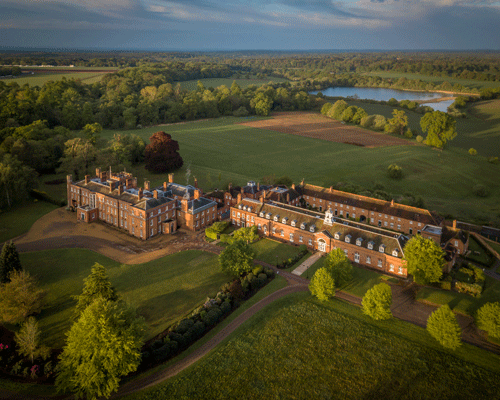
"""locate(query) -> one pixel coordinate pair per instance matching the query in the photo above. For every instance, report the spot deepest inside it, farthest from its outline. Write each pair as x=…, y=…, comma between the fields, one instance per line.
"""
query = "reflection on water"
x=380, y=94
x=440, y=105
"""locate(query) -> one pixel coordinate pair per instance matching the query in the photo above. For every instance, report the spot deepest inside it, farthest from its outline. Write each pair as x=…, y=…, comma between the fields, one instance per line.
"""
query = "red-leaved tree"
x=161, y=154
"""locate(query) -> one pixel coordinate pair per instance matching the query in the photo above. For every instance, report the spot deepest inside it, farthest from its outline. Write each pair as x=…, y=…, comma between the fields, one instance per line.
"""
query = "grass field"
x=302, y=348
x=18, y=220
x=471, y=83
x=40, y=78
x=485, y=257
x=235, y=153
x=461, y=302
x=273, y=252
x=243, y=82
x=163, y=290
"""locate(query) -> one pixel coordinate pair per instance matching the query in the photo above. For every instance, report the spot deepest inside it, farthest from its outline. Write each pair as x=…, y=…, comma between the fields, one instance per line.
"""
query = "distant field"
x=163, y=290
x=301, y=348
x=216, y=82
x=471, y=83
x=39, y=79
x=222, y=148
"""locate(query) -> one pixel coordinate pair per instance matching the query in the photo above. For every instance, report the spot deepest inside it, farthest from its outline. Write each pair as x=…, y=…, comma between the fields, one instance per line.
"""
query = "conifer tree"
x=28, y=341
x=9, y=261
x=96, y=285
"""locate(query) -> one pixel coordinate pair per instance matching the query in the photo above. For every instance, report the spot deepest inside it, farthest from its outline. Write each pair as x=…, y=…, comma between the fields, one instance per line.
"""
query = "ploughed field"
x=317, y=126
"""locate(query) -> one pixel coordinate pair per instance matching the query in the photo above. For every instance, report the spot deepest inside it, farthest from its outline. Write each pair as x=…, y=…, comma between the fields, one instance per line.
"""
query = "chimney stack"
x=302, y=182
x=111, y=186
x=120, y=189
x=197, y=194
x=230, y=186
x=454, y=224
x=139, y=194
x=87, y=178
x=331, y=189
x=293, y=186
x=242, y=191
x=196, y=183
x=261, y=199
x=184, y=204
x=392, y=203
x=258, y=186
x=288, y=198
x=170, y=178
x=164, y=186
x=238, y=199
x=155, y=194
x=98, y=172
x=146, y=185
x=128, y=183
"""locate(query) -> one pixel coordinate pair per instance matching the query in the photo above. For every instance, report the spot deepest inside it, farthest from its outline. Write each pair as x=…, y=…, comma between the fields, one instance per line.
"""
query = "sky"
x=251, y=24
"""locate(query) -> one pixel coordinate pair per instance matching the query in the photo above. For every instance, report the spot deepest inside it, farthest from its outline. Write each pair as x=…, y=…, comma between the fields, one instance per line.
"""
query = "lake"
x=380, y=94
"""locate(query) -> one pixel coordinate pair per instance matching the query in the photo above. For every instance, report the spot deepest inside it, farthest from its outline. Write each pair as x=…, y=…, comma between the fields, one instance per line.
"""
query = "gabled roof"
x=368, y=203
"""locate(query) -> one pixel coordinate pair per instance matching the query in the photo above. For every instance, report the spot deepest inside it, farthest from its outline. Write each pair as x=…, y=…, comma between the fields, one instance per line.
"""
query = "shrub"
x=241, y=112
x=184, y=326
x=225, y=307
x=257, y=270
x=409, y=134
x=472, y=151
x=326, y=107
x=235, y=289
x=480, y=191
x=445, y=285
x=493, y=160
x=395, y=171
x=474, y=289
x=367, y=122
x=212, y=317
x=419, y=138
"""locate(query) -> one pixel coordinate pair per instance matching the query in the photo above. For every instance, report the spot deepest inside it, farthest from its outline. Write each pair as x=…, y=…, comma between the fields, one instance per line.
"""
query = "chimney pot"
x=87, y=178
x=120, y=189
x=155, y=194
x=293, y=186
x=164, y=186
x=230, y=186
x=392, y=203
x=111, y=186
x=139, y=194
x=238, y=198
x=196, y=183
x=197, y=194
x=454, y=224
x=98, y=172
x=170, y=178
x=146, y=185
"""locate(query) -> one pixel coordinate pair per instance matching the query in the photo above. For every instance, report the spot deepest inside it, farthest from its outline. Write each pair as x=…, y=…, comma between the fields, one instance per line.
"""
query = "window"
x=395, y=252
x=399, y=227
x=159, y=218
x=391, y=267
x=337, y=235
x=141, y=232
x=356, y=257
x=300, y=239
x=392, y=225
x=385, y=223
x=151, y=223
x=152, y=232
x=291, y=237
x=370, y=245
x=253, y=219
x=265, y=229
x=379, y=263
x=125, y=224
x=400, y=270
x=419, y=224
x=248, y=218
x=456, y=242
x=346, y=252
x=381, y=248
x=238, y=215
x=282, y=233
x=234, y=213
x=372, y=220
x=348, y=238
x=411, y=230
x=411, y=222
x=368, y=260
x=274, y=230
x=359, y=241
x=310, y=242
x=392, y=218
x=259, y=226
x=133, y=230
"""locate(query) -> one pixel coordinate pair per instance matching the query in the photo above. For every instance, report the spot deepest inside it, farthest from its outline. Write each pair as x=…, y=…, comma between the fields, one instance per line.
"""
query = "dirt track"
x=318, y=126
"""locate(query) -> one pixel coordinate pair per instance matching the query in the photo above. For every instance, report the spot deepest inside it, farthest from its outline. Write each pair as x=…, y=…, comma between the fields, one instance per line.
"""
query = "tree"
x=9, y=261
x=443, y=326
x=337, y=109
x=96, y=285
x=16, y=180
x=92, y=132
x=237, y=258
x=284, y=180
x=472, y=151
x=262, y=104
x=339, y=266
x=79, y=155
x=377, y=302
x=161, y=154
x=395, y=171
x=28, y=340
x=102, y=346
x=322, y=284
x=397, y=123
x=248, y=234
x=326, y=107
x=20, y=297
x=488, y=319
x=440, y=128
x=424, y=259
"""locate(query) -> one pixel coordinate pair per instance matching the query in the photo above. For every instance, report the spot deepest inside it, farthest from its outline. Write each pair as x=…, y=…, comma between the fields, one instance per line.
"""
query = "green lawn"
x=362, y=279
x=235, y=153
x=461, y=302
x=484, y=258
x=18, y=220
x=243, y=82
x=163, y=290
x=301, y=348
x=471, y=83
x=273, y=252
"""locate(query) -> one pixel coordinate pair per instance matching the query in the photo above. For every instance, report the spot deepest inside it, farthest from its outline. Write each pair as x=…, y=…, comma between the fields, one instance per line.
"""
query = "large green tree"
x=488, y=319
x=79, y=156
x=237, y=258
x=377, y=301
x=443, y=326
x=397, y=123
x=16, y=181
x=440, y=128
x=322, y=284
x=9, y=261
x=20, y=297
x=339, y=266
x=96, y=285
x=424, y=259
x=102, y=346
x=28, y=341
x=248, y=234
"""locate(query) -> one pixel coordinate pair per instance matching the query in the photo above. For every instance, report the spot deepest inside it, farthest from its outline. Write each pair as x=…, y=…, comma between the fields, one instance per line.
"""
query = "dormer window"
x=337, y=235
x=244, y=208
x=359, y=241
x=348, y=238
x=312, y=228
x=268, y=215
x=276, y=218
x=261, y=214
x=395, y=252
x=370, y=245
x=249, y=209
x=284, y=220
x=294, y=222
x=239, y=206
x=381, y=248
x=303, y=225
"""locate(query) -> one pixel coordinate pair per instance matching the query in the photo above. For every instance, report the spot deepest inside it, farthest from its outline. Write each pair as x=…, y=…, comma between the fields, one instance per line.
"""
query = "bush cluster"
x=205, y=317
x=289, y=262
x=213, y=231
x=474, y=289
x=39, y=195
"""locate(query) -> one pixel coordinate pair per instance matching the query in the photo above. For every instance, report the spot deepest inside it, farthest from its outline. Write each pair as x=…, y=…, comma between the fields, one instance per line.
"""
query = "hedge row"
x=288, y=263
x=39, y=195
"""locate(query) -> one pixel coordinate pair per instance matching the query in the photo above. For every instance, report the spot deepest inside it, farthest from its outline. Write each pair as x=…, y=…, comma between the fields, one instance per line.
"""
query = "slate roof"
x=198, y=205
x=369, y=203
x=175, y=189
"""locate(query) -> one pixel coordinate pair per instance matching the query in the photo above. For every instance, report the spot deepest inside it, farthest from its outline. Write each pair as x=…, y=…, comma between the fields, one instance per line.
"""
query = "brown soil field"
x=318, y=126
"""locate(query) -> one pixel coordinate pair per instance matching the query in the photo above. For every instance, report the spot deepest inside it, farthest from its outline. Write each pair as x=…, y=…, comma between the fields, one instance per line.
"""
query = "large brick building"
x=145, y=212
